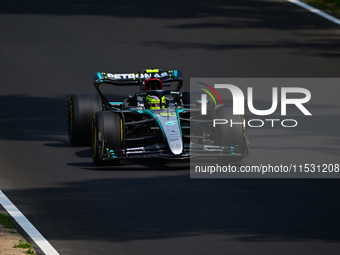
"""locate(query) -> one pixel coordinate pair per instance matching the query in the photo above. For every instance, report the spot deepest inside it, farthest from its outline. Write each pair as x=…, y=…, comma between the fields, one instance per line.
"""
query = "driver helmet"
x=153, y=102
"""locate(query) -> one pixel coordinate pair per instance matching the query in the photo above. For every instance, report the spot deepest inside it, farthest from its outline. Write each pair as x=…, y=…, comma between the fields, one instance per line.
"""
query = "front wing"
x=172, y=138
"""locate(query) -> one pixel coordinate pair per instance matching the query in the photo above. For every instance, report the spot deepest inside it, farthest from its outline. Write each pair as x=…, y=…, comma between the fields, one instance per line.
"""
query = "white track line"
x=316, y=11
x=43, y=244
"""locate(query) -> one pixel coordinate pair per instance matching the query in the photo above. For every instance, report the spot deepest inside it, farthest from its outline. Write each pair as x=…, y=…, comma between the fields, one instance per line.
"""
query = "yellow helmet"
x=153, y=102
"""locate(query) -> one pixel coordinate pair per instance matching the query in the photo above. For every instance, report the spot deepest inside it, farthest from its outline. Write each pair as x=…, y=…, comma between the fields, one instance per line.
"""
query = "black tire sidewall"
x=227, y=135
x=81, y=108
x=107, y=126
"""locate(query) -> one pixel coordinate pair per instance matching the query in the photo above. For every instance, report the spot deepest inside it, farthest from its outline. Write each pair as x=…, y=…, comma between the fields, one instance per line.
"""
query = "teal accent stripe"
x=175, y=73
x=100, y=76
x=181, y=110
x=179, y=121
x=113, y=154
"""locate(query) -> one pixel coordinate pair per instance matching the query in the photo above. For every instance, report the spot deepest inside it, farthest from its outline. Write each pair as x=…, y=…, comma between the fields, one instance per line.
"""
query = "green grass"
x=6, y=221
x=329, y=5
x=25, y=245
x=30, y=251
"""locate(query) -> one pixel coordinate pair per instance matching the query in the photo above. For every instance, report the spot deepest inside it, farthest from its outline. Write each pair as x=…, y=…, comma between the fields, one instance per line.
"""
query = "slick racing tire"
x=230, y=136
x=194, y=95
x=81, y=108
x=186, y=97
x=107, y=136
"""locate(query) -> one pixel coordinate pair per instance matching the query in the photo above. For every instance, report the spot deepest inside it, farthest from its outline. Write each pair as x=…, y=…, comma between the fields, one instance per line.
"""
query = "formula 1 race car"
x=153, y=122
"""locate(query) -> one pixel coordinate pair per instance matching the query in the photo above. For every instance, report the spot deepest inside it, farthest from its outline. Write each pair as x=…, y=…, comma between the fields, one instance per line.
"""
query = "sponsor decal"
x=170, y=123
x=173, y=139
x=167, y=114
x=135, y=75
x=176, y=146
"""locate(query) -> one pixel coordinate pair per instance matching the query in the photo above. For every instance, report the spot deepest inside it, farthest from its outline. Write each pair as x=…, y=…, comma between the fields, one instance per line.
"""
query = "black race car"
x=154, y=122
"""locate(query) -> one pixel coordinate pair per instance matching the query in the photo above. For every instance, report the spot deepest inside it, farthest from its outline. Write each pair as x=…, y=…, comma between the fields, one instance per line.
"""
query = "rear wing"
x=135, y=79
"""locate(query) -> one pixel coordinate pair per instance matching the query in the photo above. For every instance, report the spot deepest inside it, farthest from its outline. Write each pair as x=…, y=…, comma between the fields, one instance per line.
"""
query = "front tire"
x=227, y=135
x=81, y=108
x=107, y=135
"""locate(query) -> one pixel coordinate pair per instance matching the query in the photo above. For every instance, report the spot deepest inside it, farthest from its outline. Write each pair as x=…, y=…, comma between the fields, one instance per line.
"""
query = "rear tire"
x=107, y=133
x=194, y=95
x=186, y=97
x=191, y=98
x=81, y=108
x=230, y=136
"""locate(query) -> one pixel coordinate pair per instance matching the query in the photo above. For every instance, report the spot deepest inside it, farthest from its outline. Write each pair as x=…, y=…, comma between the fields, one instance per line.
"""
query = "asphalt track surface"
x=51, y=49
